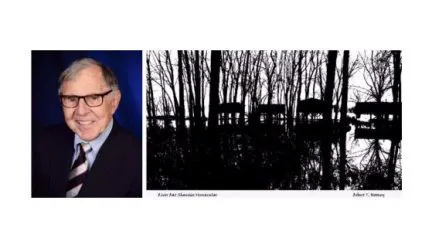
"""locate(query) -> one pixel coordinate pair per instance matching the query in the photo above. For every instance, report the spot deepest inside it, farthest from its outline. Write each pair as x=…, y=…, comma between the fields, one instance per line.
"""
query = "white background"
x=303, y=221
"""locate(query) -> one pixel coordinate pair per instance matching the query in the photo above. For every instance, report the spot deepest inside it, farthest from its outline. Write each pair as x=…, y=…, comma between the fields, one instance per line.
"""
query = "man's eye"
x=93, y=97
x=71, y=98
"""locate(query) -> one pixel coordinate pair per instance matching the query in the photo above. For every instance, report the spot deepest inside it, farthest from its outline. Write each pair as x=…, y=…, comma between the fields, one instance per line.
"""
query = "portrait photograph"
x=86, y=114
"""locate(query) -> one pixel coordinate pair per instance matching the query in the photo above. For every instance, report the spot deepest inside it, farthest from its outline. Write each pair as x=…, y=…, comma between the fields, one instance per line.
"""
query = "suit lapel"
x=106, y=174
x=62, y=160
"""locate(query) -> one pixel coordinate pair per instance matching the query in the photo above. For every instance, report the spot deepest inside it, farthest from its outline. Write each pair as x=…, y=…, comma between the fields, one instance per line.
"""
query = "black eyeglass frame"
x=84, y=97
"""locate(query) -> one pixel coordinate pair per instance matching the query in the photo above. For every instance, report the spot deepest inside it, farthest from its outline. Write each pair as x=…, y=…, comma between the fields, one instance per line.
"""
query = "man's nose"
x=82, y=107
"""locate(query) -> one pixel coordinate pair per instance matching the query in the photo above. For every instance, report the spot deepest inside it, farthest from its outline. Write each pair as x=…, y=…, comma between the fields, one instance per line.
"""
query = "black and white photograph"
x=274, y=119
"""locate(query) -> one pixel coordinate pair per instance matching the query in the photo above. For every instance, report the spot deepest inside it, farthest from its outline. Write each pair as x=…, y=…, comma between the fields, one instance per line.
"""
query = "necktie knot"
x=85, y=147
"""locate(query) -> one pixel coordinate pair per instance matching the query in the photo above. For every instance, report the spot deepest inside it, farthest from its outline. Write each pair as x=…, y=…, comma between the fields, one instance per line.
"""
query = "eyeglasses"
x=93, y=100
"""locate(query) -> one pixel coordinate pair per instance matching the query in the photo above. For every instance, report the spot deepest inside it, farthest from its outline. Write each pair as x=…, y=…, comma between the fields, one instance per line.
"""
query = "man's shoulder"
x=124, y=143
x=126, y=135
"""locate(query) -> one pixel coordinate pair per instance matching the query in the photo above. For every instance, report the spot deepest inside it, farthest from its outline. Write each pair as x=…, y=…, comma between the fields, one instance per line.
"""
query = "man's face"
x=89, y=122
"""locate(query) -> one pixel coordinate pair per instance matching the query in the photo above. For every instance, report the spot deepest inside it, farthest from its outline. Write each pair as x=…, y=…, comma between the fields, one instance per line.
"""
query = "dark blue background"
x=48, y=65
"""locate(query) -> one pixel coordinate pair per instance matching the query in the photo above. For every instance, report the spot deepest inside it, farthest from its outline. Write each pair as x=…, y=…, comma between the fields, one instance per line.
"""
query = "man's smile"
x=84, y=123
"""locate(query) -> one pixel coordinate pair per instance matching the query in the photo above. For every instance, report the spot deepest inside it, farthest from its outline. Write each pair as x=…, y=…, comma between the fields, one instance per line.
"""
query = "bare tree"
x=352, y=68
x=378, y=77
x=244, y=88
x=236, y=73
x=269, y=72
x=204, y=81
x=214, y=88
x=299, y=83
x=377, y=73
x=396, y=98
x=256, y=79
x=318, y=74
x=182, y=124
x=197, y=110
x=311, y=72
x=151, y=110
x=165, y=79
x=289, y=72
x=344, y=108
x=225, y=75
x=171, y=83
x=190, y=91
x=291, y=80
x=326, y=142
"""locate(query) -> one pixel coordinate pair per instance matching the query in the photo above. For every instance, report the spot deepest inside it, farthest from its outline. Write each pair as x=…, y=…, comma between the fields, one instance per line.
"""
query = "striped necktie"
x=78, y=171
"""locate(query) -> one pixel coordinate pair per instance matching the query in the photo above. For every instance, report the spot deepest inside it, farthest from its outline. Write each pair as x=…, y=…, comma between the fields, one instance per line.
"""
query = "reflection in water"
x=264, y=157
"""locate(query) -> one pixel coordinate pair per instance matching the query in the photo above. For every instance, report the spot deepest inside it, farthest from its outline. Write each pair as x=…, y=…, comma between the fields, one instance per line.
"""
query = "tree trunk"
x=224, y=78
x=299, y=84
x=171, y=84
x=191, y=96
x=203, y=71
x=292, y=88
x=182, y=125
x=197, y=114
x=343, y=122
x=214, y=88
x=231, y=71
x=244, y=79
x=316, y=73
x=215, y=166
x=396, y=98
x=321, y=83
x=152, y=110
x=236, y=76
x=326, y=141
x=256, y=80
x=397, y=76
x=165, y=107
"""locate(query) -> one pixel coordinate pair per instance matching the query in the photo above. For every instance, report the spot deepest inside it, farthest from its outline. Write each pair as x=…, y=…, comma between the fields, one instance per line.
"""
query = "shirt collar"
x=96, y=143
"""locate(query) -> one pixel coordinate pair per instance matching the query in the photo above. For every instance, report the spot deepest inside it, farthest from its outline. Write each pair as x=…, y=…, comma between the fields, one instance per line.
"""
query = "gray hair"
x=80, y=64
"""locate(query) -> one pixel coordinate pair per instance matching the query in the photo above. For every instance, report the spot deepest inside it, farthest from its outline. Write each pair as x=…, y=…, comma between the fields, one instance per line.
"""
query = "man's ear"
x=115, y=101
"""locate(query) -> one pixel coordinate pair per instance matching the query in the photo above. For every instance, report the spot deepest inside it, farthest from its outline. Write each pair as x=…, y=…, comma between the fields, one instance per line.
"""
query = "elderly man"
x=90, y=156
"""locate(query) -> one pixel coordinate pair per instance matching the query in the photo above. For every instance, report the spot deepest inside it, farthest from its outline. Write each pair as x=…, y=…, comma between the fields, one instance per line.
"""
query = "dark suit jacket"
x=116, y=171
